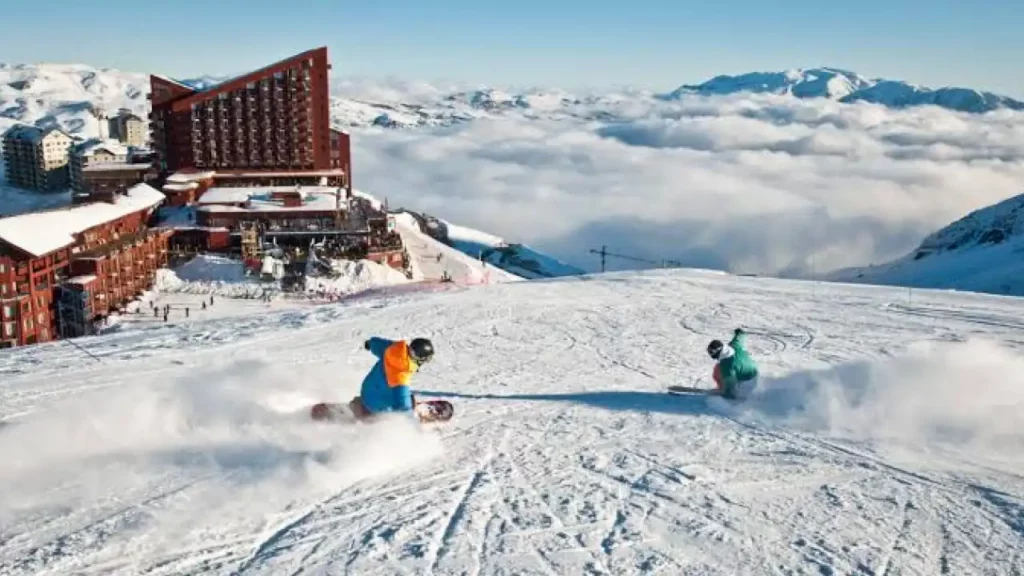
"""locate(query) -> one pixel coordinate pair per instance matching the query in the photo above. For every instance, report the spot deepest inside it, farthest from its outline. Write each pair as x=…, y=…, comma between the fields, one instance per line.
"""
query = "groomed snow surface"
x=886, y=437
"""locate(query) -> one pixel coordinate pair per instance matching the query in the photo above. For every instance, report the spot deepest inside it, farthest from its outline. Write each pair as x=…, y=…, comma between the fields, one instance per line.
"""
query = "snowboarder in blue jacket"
x=735, y=371
x=386, y=386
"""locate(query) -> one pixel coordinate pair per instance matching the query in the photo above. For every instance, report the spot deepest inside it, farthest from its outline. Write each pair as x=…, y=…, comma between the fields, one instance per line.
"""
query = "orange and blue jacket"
x=386, y=387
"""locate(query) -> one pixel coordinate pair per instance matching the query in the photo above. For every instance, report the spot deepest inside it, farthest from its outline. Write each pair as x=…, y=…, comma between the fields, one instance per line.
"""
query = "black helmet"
x=421, y=350
x=715, y=349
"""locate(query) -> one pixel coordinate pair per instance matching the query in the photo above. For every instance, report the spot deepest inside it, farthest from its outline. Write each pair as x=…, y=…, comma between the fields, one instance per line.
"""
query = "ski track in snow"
x=565, y=455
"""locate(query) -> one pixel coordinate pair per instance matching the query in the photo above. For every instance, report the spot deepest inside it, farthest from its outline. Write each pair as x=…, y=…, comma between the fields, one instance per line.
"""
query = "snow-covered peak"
x=201, y=82
x=846, y=87
x=901, y=95
x=991, y=225
x=802, y=83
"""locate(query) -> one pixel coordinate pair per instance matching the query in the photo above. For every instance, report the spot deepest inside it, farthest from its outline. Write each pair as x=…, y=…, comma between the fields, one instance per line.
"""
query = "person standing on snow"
x=386, y=387
x=735, y=371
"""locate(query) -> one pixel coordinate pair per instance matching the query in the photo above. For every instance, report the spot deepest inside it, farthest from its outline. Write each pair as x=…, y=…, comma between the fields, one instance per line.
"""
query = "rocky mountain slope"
x=983, y=252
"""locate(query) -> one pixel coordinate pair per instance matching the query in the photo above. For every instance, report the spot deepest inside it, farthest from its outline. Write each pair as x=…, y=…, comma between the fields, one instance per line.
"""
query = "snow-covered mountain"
x=846, y=86
x=63, y=94
x=983, y=252
x=813, y=83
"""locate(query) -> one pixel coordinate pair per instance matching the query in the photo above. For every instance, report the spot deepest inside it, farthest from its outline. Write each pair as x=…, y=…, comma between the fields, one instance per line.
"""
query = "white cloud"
x=747, y=183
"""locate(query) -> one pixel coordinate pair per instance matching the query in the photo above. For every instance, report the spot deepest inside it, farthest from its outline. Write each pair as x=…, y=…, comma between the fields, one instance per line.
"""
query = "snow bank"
x=355, y=276
x=456, y=232
x=208, y=274
x=242, y=426
x=969, y=394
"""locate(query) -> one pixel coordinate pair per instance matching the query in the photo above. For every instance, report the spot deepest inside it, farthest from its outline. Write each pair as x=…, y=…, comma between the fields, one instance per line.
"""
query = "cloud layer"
x=747, y=183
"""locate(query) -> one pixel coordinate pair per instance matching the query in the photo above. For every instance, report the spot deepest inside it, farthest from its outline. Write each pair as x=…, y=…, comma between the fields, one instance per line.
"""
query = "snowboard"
x=428, y=411
x=691, y=390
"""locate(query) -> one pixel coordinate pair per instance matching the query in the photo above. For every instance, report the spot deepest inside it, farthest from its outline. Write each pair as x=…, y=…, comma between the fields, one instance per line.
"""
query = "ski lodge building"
x=257, y=162
x=243, y=166
x=63, y=269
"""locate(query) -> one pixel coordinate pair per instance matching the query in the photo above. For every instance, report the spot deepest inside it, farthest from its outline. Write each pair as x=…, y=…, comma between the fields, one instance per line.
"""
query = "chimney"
x=103, y=127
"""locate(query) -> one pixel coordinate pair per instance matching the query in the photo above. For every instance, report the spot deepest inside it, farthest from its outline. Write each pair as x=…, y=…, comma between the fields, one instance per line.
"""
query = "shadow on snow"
x=632, y=400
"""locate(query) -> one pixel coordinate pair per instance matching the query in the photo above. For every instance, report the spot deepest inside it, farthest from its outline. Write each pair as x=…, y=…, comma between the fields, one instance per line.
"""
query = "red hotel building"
x=274, y=119
x=62, y=269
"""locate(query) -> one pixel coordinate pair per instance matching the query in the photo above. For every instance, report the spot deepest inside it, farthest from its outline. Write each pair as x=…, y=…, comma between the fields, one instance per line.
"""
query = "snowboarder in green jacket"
x=735, y=371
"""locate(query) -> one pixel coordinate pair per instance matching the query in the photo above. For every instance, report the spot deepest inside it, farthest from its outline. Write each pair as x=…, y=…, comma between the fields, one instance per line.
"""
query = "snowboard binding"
x=434, y=411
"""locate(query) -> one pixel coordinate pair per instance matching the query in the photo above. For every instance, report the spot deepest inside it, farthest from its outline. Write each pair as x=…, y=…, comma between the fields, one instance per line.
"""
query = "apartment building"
x=129, y=128
x=36, y=158
x=94, y=153
x=276, y=119
x=103, y=248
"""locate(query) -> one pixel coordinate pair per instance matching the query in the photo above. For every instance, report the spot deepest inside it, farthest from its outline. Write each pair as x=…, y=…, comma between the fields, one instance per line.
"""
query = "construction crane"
x=604, y=253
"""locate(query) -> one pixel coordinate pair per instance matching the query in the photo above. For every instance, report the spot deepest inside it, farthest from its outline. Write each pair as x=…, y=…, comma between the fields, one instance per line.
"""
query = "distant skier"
x=386, y=387
x=735, y=371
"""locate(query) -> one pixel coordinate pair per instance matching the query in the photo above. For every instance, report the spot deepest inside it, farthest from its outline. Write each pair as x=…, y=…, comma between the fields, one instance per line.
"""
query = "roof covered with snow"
x=41, y=233
x=180, y=187
x=30, y=133
x=118, y=167
x=94, y=145
x=281, y=174
x=261, y=198
x=183, y=177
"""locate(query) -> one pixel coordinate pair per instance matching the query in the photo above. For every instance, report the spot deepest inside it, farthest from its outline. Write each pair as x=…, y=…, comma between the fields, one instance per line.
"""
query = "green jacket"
x=739, y=366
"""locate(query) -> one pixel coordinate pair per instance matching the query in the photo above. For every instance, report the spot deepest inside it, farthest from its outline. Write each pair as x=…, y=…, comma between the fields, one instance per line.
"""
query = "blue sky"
x=570, y=43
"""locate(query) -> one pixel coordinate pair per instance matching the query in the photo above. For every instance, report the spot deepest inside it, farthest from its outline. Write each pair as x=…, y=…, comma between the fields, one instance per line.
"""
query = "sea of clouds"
x=746, y=183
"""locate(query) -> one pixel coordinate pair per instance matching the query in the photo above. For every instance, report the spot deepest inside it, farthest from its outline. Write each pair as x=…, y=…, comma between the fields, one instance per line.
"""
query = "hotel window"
x=9, y=329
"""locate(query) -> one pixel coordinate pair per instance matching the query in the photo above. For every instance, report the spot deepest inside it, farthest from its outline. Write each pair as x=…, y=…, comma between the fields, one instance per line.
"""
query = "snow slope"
x=454, y=264
x=886, y=437
x=516, y=259
x=847, y=87
x=982, y=252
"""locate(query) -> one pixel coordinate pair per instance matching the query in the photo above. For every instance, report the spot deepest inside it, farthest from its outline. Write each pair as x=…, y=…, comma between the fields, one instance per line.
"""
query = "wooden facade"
x=102, y=183
x=30, y=284
x=106, y=278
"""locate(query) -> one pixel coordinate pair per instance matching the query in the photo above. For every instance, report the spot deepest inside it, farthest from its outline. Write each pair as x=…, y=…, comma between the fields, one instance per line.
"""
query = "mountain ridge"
x=61, y=95
x=848, y=87
x=982, y=252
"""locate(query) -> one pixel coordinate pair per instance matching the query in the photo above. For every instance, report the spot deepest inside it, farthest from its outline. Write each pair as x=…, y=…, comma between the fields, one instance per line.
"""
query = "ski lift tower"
x=250, y=243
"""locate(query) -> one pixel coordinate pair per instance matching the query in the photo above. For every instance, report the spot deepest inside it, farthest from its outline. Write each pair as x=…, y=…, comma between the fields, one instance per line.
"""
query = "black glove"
x=366, y=345
x=739, y=331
